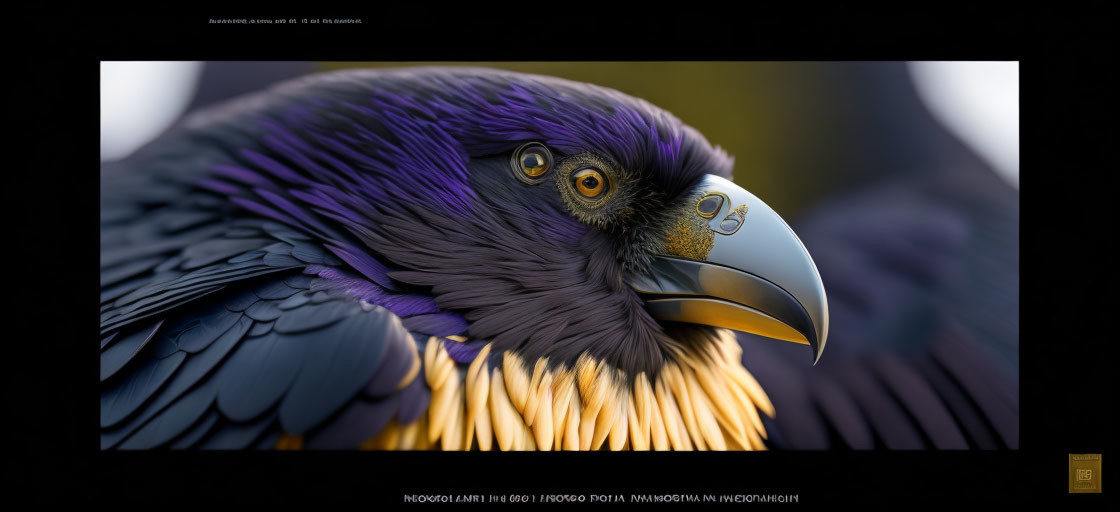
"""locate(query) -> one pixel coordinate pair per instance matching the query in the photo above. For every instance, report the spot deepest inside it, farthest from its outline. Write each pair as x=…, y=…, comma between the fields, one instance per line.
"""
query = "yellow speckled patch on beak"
x=690, y=238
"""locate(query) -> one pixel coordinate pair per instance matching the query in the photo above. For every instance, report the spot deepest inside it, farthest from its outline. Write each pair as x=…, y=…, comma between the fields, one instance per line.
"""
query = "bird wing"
x=224, y=330
x=921, y=285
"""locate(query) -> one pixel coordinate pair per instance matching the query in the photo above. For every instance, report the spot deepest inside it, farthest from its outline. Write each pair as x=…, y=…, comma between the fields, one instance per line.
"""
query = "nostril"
x=709, y=205
x=732, y=222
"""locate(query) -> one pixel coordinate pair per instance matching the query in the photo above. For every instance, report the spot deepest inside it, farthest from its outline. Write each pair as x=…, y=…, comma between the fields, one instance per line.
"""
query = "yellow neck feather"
x=705, y=400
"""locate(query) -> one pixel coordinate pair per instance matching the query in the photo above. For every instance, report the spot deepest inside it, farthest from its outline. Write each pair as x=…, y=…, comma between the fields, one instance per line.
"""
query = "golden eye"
x=531, y=161
x=589, y=182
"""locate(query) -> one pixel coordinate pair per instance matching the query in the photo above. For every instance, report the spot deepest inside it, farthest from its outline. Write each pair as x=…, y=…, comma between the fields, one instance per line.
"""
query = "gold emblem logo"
x=1084, y=472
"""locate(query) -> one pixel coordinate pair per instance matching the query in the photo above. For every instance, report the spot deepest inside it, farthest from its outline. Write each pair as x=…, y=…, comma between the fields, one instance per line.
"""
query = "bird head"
x=557, y=219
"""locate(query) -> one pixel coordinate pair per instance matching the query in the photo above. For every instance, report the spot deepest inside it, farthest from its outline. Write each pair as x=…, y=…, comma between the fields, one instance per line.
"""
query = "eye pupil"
x=531, y=161
x=589, y=182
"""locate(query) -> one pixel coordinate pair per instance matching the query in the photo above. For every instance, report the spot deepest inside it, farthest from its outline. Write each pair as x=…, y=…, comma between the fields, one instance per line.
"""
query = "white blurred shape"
x=979, y=101
x=139, y=100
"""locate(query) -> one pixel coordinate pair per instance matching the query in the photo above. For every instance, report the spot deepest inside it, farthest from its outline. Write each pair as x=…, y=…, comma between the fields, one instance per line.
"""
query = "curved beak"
x=732, y=262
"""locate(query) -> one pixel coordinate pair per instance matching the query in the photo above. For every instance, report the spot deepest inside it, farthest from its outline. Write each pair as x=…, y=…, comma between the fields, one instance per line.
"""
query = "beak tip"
x=818, y=346
x=817, y=342
x=822, y=334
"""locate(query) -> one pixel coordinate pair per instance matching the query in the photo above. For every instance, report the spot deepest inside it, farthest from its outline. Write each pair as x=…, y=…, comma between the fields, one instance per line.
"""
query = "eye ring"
x=531, y=162
x=589, y=182
x=603, y=203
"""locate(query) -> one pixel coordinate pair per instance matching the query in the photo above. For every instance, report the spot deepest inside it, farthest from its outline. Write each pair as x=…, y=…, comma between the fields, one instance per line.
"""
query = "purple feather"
x=437, y=324
x=463, y=352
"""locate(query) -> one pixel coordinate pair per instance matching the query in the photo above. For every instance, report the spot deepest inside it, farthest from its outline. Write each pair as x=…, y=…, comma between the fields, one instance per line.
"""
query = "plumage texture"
x=273, y=268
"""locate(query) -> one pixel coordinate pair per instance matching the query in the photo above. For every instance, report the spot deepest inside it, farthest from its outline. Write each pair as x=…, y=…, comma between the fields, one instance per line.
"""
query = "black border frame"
x=1065, y=395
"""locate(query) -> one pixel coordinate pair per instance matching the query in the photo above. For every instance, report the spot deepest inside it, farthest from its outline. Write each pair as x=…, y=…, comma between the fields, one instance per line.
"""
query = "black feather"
x=357, y=422
x=345, y=357
x=258, y=374
x=124, y=395
x=174, y=420
x=237, y=436
x=197, y=431
x=117, y=355
x=195, y=368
